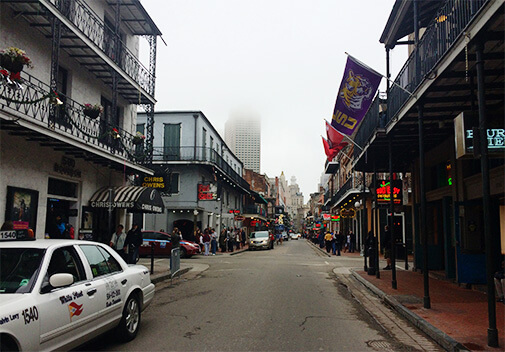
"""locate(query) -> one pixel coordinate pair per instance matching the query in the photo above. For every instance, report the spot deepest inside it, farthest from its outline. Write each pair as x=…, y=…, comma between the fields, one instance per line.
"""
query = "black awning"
x=136, y=199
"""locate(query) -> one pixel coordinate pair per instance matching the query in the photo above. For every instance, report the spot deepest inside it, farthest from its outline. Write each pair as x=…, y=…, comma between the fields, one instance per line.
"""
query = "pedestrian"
x=222, y=240
x=499, y=283
x=133, y=242
x=386, y=245
x=327, y=241
x=339, y=242
x=117, y=241
x=243, y=238
x=334, y=243
x=206, y=241
x=175, y=238
x=347, y=243
x=213, y=241
x=352, y=243
x=238, y=240
x=230, y=238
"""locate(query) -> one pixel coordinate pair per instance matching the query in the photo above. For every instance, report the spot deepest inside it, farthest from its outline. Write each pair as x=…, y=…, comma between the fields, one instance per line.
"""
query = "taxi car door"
x=66, y=312
x=111, y=282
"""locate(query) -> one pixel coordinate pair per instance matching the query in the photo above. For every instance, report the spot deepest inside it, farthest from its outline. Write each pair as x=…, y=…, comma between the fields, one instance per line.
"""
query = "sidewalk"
x=457, y=319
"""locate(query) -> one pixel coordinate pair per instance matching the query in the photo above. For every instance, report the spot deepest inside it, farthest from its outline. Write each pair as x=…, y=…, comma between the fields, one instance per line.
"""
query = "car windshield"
x=262, y=234
x=19, y=268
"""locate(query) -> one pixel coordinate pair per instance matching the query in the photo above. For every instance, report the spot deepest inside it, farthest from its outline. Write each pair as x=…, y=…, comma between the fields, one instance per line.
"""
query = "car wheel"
x=7, y=344
x=184, y=254
x=130, y=321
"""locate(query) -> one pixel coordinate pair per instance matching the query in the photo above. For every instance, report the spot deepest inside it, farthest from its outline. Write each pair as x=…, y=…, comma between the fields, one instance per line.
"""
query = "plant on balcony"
x=92, y=111
x=14, y=59
x=138, y=138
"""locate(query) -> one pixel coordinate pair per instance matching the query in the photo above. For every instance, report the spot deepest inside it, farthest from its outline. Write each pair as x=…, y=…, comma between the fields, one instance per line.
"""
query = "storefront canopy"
x=134, y=198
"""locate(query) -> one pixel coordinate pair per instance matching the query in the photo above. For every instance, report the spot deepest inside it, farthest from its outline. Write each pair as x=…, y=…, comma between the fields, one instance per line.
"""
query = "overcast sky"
x=280, y=59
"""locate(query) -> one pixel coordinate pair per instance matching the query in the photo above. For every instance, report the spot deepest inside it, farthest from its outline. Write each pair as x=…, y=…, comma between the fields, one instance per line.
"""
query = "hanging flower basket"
x=92, y=111
x=138, y=138
x=14, y=59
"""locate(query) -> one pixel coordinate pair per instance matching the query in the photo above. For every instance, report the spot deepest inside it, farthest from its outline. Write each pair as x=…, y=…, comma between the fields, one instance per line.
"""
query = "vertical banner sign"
x=355, y=96
x=405, y=189
x=207, y=191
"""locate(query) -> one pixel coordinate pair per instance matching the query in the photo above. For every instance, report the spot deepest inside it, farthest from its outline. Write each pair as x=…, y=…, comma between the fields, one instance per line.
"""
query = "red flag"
x=335, y=138
x=330, y=153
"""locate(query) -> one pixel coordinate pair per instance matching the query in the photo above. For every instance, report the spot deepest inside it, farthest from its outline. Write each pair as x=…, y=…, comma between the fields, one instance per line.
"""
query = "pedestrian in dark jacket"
x=133, y=242
x=353, y=242
x=339, y=242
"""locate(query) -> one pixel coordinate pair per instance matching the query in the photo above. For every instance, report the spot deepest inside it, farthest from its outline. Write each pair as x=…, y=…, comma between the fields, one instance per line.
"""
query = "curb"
x=434, y=333
x=168, y=275
x=319, y=249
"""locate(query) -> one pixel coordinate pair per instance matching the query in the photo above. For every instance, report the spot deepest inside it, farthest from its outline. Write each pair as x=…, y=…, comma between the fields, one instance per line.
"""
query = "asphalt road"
x=286, y=299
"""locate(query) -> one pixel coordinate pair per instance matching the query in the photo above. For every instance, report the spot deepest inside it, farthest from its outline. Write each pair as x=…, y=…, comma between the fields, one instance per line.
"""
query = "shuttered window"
x=172, y=142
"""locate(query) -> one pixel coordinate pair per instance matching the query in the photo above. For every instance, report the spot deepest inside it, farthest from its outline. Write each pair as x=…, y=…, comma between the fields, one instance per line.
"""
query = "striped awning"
x=136, y=199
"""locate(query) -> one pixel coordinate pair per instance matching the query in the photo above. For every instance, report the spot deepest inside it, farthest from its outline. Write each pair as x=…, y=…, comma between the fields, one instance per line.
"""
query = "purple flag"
x=355, y=95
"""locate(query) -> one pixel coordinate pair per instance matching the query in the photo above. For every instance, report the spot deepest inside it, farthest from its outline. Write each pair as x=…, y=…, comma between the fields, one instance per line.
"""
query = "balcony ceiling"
x=451, y=93
x=136, y=17
x=400, y=22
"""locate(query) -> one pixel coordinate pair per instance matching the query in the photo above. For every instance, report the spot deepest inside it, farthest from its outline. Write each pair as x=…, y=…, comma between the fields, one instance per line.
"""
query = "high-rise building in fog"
x=243, y=136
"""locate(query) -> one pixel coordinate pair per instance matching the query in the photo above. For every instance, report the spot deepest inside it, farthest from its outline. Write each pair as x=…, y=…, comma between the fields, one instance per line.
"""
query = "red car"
x=163, y=245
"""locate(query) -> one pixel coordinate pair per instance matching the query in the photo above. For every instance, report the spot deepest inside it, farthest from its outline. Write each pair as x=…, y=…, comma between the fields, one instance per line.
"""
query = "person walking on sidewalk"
x=133, y=242
x=175, y=238
x=213, y=241
x=334, y=243
x=222, y=240
x=347, y=243
x=352, y=244
x=386, y=244
x=327, y=241
x=206, y=241
x=117, y=241
x=499, y=283
x=339, y=239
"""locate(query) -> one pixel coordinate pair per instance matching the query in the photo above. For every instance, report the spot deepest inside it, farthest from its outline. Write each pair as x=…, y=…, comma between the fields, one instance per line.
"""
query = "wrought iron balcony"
x=354, y=182
x=35, y=105
x=198, y=154
x=94, y=28
x=254, y=209
x=447, y=26
x=87, y=39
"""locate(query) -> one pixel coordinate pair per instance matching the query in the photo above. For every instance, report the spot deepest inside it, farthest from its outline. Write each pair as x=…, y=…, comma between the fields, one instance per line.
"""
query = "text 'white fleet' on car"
x=58, y=294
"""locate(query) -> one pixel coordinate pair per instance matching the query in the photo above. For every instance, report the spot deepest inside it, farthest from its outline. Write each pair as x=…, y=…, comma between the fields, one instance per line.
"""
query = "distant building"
x=243, y=136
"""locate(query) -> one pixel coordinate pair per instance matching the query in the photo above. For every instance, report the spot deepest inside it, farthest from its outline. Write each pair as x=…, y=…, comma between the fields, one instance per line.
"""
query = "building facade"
x=203, y=185
x=55, y=156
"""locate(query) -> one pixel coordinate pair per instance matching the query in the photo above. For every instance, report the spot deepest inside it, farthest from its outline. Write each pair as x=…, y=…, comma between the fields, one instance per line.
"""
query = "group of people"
x=337, y=242
x=127, y=244
x=207, y=240
x=231, y=238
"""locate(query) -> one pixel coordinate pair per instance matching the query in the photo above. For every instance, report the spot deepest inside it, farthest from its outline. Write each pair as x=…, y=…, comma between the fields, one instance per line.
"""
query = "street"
x=282, y=299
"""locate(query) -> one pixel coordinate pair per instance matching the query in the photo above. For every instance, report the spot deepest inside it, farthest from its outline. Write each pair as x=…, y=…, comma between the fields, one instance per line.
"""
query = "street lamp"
x=195, y=213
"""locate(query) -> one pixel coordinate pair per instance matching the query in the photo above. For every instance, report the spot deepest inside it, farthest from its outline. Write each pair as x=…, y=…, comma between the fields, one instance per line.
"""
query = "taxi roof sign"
x=17, y=235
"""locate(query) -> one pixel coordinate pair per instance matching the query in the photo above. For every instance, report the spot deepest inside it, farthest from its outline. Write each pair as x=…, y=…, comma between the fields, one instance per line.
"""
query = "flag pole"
x=379, y=74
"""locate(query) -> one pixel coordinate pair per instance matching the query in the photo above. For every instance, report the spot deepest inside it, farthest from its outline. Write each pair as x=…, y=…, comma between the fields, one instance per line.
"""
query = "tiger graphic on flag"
x=355, y=89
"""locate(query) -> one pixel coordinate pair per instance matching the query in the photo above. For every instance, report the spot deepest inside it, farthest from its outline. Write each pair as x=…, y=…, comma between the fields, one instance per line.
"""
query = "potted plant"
x=138, y=138
x=115, y=133
x=14, y=59
x=92, y=111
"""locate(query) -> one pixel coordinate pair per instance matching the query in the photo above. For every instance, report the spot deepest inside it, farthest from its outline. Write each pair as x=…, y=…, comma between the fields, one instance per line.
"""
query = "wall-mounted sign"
x=465, y=137
x=234, y=211
x=348, y=213
x=67, y=167
x=254, y=223
x=157, y=182
x=326, y=217
x=335, y=218
x=239, y=218
x=383, y=192
x=207, y=191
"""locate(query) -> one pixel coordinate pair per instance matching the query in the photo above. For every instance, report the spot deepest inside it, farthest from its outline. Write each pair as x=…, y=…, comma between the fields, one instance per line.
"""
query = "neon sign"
x=383, y=192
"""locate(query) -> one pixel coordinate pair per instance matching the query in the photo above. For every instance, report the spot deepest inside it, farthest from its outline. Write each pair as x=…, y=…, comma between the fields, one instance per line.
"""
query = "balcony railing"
x=353, y=182
x=34, y=103
x=254, y=209
x=447, y=26
x=202, y=154
x=94, y=28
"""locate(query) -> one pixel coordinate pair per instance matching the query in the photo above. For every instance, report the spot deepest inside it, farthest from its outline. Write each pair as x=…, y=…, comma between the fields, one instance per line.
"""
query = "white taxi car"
x=58, y=294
